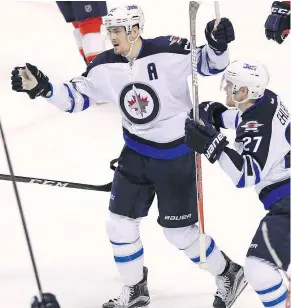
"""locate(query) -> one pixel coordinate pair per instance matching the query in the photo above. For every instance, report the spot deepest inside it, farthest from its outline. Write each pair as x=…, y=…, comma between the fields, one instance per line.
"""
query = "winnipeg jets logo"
x=139, y=103
x=252, y=126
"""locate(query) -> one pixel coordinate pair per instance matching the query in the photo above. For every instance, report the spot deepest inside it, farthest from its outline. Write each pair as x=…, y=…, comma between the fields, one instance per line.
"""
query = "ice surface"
x=67, y=226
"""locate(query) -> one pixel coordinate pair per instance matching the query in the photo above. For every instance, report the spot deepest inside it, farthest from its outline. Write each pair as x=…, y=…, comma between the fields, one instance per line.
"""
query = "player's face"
x=239, y=95
x=228, y=90
x=118, y=38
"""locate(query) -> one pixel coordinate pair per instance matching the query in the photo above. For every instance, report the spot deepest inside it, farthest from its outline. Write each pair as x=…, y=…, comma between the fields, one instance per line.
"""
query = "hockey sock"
x=129, y=259
x=93, y=43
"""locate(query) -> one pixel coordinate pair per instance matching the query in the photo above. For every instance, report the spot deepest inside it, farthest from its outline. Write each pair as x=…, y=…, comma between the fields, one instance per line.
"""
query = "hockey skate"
x=230, y=284
x=132, y=296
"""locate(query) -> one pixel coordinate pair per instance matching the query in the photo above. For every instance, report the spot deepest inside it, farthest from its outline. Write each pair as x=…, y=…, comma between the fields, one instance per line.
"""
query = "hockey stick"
x=217, y=18
x=276, y=258
x=193, y=8
x=21, y=213
x=106, y=187
x=217, y=14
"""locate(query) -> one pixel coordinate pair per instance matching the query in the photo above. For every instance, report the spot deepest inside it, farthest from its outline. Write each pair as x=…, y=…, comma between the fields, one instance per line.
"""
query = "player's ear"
x=135, y=32
x=244, y=92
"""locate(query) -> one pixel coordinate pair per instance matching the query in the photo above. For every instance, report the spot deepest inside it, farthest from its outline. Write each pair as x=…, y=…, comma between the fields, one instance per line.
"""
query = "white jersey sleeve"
x=210, y=63
x=79, y=93
x=229, y=118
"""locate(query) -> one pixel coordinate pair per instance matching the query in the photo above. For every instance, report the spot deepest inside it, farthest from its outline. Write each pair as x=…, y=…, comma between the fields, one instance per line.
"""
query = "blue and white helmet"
x=250, y=74
x=126, y=16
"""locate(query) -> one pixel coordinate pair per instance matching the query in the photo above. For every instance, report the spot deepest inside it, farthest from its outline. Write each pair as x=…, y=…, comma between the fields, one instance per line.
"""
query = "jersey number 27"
x=252, y=144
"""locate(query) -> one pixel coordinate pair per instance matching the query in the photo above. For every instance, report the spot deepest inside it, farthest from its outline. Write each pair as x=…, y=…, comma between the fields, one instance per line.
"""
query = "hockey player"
x=277, y=26
x=86, y=18
x=261, y=158
x=147, y=78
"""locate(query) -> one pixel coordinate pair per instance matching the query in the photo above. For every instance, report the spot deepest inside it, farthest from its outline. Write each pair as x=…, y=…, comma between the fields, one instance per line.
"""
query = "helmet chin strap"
x=131, y=45
x=237, y=103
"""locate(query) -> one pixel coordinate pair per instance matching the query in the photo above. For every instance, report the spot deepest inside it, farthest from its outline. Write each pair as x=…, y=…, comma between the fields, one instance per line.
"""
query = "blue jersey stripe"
x=275, y=195
x=257, y=172
x=241, y=182
x=85, y=97
x=72, y=99
x=150, y=151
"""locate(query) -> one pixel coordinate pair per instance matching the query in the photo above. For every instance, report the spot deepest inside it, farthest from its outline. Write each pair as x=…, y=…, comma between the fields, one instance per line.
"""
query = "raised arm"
x=72, y=96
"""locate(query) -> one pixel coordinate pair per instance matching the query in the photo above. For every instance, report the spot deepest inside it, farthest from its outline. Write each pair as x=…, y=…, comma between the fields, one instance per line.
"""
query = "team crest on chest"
x=139, y=103
x=252, y=126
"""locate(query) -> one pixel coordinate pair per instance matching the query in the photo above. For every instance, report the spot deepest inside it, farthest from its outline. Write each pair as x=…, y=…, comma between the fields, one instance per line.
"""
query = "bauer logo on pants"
x=139, y=103
x=183, y=217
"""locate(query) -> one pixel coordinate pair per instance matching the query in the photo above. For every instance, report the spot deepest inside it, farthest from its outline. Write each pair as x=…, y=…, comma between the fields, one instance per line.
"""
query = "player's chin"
x=229, y=103
x=117, y=50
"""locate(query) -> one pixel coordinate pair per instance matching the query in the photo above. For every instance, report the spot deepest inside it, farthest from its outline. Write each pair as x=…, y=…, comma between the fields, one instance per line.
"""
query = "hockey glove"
x=210, y=113
x=277, y=26
x=31, y=80
x=50, y=301
x=219, y=38
x=205, y=140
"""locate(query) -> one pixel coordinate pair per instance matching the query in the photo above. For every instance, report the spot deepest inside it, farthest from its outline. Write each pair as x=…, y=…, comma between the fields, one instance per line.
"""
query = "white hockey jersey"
x=152, y=92
x=262, y=155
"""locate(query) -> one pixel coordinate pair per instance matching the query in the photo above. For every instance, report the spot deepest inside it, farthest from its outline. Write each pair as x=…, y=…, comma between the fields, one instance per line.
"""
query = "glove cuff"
x=217, y=52
x=47, y=91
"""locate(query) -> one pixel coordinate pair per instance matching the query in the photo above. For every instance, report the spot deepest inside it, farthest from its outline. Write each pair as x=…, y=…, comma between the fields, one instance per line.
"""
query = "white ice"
x=67, y=226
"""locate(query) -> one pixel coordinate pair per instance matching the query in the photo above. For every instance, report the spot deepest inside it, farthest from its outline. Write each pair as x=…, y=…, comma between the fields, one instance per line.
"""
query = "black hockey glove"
x=31, y=80
x=219, y=38
x=277, y=26
x=50, y=301
x=204, y=140
x=210, y=113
